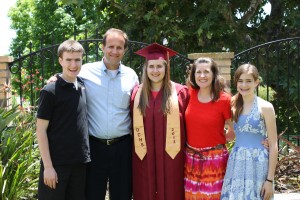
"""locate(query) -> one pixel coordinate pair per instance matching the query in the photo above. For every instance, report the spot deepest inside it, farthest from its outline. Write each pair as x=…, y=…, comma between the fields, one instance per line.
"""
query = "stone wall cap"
x=6, y=59
x=213, y=55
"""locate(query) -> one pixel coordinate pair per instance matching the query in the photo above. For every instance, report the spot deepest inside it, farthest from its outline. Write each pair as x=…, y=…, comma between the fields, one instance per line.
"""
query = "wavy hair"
x=218, y=82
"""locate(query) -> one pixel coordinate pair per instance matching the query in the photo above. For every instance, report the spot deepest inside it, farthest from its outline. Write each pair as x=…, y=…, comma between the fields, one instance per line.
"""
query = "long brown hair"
x=237, y=102
x=146, y=90
x=218, y=82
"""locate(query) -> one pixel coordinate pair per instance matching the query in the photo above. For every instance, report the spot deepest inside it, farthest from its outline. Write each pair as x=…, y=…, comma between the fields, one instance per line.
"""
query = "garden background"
x=186, y=25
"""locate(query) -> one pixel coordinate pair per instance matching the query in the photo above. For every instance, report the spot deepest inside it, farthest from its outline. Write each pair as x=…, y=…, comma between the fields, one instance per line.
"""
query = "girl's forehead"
x=246, y=75
x=156, y=62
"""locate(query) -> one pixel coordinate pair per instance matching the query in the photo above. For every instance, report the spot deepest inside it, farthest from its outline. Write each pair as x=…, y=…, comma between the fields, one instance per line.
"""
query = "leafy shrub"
x=19, y=158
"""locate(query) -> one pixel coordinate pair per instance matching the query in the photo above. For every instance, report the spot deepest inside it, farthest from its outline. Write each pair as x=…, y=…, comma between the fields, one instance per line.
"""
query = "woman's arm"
x=229, y=134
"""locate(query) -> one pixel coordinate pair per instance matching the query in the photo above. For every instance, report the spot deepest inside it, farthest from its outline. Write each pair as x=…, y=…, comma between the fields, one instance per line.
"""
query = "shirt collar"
x=62, y=82
x=104, y=69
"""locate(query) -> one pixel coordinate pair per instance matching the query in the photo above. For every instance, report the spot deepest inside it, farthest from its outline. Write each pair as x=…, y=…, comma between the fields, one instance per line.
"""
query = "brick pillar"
x=5, y=81
x=223, y=60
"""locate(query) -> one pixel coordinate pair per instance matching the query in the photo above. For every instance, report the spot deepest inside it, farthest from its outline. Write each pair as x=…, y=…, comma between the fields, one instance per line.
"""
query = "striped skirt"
x=204, y=172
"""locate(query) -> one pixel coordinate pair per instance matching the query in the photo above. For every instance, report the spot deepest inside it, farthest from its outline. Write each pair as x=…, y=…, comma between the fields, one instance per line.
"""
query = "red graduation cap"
x=156, y=52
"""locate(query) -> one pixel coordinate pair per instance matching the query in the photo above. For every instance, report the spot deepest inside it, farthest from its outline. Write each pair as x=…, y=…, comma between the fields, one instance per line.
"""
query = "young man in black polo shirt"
x=62, y=130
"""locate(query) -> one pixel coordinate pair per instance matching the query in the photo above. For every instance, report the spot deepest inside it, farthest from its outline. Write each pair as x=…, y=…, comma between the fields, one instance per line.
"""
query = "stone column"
x=223, y=59
x=5, y=81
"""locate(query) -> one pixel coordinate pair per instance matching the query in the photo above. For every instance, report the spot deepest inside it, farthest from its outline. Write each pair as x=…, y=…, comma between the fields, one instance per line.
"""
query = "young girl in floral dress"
x=251, y=167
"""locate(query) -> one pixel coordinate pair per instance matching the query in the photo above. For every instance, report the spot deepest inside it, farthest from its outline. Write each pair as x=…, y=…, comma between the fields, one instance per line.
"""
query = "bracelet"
x=271, y=181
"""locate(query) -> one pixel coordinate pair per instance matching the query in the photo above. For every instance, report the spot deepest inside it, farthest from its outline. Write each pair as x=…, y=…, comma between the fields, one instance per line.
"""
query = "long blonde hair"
x=237, y=102
x=146, y=90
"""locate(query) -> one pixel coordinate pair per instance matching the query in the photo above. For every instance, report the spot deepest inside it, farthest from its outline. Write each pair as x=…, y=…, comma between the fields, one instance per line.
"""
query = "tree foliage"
x=189, y=26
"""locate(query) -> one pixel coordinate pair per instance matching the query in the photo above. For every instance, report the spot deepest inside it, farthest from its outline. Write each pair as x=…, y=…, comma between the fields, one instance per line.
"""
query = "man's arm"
x=50, y=176
x=52, y=78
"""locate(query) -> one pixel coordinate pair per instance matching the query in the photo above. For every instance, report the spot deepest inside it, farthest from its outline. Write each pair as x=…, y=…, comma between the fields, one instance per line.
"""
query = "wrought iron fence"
x=278, y=63
x=30, y=71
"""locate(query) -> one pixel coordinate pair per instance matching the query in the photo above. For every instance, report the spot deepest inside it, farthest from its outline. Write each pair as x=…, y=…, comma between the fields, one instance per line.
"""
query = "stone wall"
x=5, y=81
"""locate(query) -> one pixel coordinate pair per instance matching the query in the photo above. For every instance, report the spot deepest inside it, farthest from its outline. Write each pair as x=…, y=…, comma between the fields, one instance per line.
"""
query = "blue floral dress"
x=247, y=167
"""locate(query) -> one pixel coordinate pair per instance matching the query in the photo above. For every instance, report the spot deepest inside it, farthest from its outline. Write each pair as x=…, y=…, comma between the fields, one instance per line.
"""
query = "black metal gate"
x=278, y=63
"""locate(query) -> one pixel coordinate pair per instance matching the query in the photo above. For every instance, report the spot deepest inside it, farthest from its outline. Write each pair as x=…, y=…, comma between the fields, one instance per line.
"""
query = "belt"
x=218, y=147
x=109, y=141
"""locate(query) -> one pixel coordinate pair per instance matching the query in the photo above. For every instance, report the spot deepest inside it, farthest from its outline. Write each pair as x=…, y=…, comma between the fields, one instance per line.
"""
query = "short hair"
x=115, y=31
x=69, y=46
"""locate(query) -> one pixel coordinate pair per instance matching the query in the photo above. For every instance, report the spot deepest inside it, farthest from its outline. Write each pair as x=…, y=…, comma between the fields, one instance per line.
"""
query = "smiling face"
x=156, y=70
x=114, y=50
x=246, y=84
x=204, y=75
x=71, y=64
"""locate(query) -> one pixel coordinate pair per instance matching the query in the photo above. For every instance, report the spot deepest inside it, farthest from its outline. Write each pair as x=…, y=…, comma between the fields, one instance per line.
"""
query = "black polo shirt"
x=65, y=108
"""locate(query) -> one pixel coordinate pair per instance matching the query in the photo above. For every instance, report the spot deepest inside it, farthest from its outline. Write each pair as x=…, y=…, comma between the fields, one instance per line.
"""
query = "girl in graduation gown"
x=158, y=106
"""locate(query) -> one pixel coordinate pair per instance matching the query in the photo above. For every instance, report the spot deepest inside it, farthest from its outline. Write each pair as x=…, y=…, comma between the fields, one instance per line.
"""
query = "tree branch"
x=250, y=11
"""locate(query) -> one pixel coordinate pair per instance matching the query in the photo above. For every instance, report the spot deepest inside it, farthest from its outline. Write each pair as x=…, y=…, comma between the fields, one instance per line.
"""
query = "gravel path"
x=287, y=196
x=284, y=196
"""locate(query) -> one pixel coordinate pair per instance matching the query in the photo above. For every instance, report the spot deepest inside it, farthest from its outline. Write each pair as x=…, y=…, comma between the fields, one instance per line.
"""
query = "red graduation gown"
x=158, y=176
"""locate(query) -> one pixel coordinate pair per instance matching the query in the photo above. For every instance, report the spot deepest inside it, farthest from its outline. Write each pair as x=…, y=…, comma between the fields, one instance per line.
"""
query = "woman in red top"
x=207, y=112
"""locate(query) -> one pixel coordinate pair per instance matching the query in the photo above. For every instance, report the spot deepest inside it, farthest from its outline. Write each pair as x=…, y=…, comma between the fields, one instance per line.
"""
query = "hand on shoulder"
x=52, y=79
x=267, y=108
